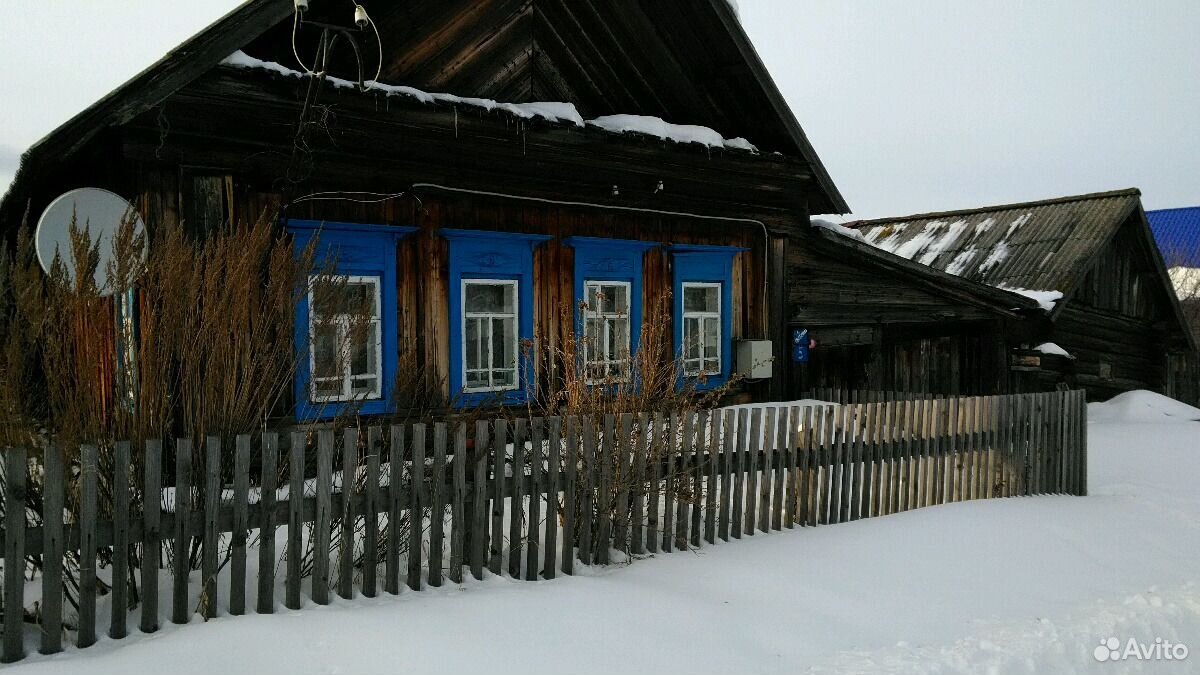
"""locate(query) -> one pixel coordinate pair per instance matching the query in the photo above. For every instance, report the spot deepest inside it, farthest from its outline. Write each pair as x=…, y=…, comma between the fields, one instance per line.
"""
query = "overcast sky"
x=914, y=105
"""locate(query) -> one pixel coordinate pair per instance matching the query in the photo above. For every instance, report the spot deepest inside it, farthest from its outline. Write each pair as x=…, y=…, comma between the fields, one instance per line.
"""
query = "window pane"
x=620, y=332
x=337, y=295
x=592, y=298
x=325, y=388
x=325, y=350
x=712, y=331
x=712, y=366
x=504, y=379
x=362, y=350
x=691, y=338
x=363, y=386
x=477, y=379
x=491, y=298
x=504, y=352
x=620, y=296
x=475, y=345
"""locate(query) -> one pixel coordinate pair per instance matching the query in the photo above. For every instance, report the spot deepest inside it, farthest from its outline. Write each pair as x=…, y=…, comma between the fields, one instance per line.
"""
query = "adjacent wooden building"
x=1092, y=263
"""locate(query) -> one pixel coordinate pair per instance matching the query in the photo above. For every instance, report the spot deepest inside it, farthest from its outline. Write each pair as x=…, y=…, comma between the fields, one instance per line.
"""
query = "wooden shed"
x=1092, y=263
x=637, y=145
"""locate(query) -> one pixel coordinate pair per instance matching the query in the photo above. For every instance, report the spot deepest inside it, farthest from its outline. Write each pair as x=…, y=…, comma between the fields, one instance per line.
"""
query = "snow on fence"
x=525, y=497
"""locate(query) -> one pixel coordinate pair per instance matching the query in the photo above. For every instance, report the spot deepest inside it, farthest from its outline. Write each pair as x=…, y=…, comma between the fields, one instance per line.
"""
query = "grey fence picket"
x=641, y=438
x=240, y=526
x=437, y=505
x=346, y=514
x=536, y=488
x=324, y=517
x=728, y=445
x=266, y=525
x=53, y=496
x=458, y=508
x=570, y=467
x=766, y=477
x=499, y=453
x=479, y=502
x=416, y=505
x=119, y=601
x=397, y=503
x=181, y=565
x=553, y=457
x=751, y=467
x=212, y=536
x=654, y=459
x=516, y=502
x=667, y=446
x=89, y=477
x=370, y=580
x=295, y=535
x=621, y=472
x=16, y=465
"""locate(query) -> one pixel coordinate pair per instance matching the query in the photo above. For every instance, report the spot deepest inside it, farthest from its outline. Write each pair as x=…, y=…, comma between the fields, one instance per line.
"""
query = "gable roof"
x=1177, y=233
x=1037, y=246
x=688, y=61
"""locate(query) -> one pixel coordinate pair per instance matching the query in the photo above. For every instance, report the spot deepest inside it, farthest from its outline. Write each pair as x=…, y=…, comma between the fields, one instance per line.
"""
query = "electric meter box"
x=754, y=358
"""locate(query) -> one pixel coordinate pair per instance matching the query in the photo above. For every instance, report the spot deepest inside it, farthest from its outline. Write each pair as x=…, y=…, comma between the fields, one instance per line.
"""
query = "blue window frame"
x=703, y=326
x=491, y=315
x=363, y=258
x=608, y=301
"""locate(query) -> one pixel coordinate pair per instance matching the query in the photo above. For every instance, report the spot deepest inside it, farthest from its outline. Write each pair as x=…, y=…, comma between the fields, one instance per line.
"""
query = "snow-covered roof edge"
x=551, y=111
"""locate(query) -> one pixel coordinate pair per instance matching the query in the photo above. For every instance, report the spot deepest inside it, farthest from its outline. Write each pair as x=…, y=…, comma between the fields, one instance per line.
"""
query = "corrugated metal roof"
x=1177, y=232
x=1036, y=246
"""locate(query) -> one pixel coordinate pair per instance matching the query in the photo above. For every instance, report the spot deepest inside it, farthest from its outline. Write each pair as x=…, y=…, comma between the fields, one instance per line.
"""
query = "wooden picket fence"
x=528, y=498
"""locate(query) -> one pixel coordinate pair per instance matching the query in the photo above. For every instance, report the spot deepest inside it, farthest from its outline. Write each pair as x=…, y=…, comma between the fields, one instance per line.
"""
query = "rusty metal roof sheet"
x=1035, y=246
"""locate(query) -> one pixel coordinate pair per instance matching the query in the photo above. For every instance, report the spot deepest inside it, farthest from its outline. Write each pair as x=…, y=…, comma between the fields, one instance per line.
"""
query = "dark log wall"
x=878, y=329
x=423, y=258
x=1115, y=325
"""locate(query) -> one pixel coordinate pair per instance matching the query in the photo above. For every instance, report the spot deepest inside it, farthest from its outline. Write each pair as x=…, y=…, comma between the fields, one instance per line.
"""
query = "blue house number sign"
x=800, y=345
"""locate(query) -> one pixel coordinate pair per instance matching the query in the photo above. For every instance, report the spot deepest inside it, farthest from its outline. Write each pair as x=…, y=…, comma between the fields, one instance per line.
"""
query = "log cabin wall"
x=170, y=192
x=884, y=324
x=1115, y=322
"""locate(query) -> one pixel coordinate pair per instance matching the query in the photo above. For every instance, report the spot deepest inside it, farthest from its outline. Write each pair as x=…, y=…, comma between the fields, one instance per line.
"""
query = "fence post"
x=16, y=464
x=54, y=493
x=183, y=507
x=212, y=537
x=117, y=628
x=241, y=525
x=88, y=470
x=295, y=534
x=324, y=517
x=266, y=525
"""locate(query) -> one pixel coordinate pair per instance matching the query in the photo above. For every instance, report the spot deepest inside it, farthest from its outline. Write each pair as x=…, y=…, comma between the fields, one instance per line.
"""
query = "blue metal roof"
x=1177, y=232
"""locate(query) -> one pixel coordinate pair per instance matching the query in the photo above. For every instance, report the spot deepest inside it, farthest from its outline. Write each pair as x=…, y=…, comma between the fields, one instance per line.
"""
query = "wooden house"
x=635, y=149
x=1111, y=319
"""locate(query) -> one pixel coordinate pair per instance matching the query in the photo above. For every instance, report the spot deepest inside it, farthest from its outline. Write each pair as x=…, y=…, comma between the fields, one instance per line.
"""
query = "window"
x=347, y=325
x=491, y=316
x=701, y=329
x=606, y=331
x=703, y=282
x=608, y=296
x=345, y=345
x=490, y=335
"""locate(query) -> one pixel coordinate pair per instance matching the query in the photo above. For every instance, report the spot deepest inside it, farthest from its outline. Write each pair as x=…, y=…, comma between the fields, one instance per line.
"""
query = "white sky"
x=914, y=105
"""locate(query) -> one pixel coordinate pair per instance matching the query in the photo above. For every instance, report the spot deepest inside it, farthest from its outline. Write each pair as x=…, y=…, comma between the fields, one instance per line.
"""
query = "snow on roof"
x=680, y=133
x=1045, y=299
x=838, y=229
x=548, y=110
x=1052, y=349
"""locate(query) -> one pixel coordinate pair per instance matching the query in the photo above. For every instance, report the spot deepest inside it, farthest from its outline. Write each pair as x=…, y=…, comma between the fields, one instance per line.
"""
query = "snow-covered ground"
x=1023, y=585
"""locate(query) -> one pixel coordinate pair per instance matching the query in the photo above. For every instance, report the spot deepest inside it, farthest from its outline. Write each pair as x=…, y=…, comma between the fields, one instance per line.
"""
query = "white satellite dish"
x=98, y=212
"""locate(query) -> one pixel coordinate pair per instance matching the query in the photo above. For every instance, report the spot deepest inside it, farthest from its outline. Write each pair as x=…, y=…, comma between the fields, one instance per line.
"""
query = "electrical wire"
x=346, y=196
x=295, y=49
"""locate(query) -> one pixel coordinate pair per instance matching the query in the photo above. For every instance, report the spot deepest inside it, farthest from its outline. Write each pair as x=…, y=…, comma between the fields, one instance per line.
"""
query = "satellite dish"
x=97, y=212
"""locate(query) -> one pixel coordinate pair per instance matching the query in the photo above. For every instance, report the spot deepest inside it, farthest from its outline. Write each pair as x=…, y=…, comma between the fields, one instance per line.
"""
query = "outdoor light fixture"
x=301, y=6
x=360, y=17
